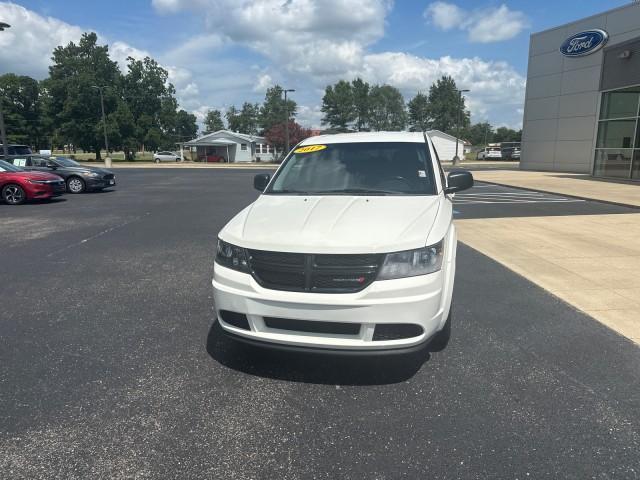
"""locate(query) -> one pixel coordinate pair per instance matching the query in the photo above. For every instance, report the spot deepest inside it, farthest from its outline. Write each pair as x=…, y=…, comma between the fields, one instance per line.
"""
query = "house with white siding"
x=230, y=147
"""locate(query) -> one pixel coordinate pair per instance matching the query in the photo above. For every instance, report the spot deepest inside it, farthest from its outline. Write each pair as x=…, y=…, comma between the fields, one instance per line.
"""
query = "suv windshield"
x=66, y=162
x=7, y=167
x=375, y=168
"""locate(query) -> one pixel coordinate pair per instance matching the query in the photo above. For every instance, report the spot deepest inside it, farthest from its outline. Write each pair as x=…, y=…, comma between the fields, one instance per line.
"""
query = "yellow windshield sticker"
x=310, y=149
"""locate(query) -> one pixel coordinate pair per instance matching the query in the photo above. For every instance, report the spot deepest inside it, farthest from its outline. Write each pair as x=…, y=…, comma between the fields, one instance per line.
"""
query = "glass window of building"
x=618, y=142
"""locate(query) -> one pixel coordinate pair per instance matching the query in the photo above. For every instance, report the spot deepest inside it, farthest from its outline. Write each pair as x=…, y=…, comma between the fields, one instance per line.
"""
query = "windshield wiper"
x=285, y=191
x=370, y=191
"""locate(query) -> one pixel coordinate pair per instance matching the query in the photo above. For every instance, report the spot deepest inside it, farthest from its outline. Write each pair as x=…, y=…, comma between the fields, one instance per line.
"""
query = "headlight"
x=39, y=182
x=232, y=257
x=90, y=174
x=411, y=263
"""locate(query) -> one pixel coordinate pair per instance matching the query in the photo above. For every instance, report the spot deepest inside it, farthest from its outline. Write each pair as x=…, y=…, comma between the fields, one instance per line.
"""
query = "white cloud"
x=445, y=15
x=498, y=25
x=195, y=48
x=497, y=90
x=120, y=51
x=482, y=25
x=323, y=37
x=309, y=116
x=263, y=82
x=26, y=47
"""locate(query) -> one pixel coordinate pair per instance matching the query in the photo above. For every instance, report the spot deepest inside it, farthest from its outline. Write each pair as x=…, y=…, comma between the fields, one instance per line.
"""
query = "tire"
x=75, y=185
x=157, y=160
x=14, y=194
x=441, y=339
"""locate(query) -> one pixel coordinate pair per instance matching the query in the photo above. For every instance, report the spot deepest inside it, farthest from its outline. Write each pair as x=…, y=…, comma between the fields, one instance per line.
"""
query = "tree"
x=276, y=135
x=24, y=114
x=249, y=118
x=273, y=109
x=233, y=118
x=386, y=109
x=361, y=103
x=75, y=69
x=126, y=130
x=504, y=134
x=338, y=106
x=151, y=100
x=419, y=119
x=478, y=133
x=186, y=126
x=213, y=121
x=444, y=105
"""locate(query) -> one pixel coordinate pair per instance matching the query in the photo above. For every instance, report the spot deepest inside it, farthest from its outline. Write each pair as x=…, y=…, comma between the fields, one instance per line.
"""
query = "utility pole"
x=3, y=132
x=456, y=159
x=107, y=160
x=286, y=123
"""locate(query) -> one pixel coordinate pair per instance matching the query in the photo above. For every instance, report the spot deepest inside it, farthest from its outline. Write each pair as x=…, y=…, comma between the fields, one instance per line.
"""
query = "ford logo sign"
x=584, y=43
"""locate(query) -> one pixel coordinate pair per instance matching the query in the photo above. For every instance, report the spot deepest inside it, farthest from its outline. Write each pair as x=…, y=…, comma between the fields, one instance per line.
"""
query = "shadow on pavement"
x=312, y=367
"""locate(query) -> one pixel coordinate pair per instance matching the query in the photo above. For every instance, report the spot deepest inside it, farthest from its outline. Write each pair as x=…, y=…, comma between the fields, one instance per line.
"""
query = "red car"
x=18, y=186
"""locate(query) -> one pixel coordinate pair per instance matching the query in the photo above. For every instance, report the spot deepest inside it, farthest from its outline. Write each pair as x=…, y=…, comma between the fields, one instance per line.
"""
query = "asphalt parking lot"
x=495, y=201
x=110, y=366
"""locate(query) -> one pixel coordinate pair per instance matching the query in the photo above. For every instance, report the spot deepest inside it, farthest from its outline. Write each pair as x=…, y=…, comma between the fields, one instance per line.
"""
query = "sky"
x=221, y=53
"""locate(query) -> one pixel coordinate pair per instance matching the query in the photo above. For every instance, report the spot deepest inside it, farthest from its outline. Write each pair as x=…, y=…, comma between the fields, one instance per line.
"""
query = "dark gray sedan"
x=78, y=178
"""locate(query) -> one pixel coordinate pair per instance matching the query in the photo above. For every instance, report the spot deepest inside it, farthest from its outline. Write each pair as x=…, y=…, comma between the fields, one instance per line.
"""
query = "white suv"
x=350, y=247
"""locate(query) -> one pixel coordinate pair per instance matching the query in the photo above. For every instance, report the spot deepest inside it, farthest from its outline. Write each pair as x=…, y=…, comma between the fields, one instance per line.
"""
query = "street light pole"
x=286, y=123
x=3, y=132
x=456, y=159
x=107, y=160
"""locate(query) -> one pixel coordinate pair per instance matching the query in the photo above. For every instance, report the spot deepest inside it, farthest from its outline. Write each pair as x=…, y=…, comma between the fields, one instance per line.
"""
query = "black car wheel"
x=75, y=185
x=13, y=194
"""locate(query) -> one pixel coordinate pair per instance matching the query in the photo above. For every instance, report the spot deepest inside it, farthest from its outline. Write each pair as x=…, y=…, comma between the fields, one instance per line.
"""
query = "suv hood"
x=334, y=224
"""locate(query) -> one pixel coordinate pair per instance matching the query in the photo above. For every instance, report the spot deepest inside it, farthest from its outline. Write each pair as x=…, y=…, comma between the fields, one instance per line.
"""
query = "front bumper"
x=417, y=301
x=45, y=190
x=99, y=183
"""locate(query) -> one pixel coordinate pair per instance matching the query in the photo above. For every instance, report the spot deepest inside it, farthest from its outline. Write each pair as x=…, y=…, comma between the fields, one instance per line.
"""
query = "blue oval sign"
x=584, y=43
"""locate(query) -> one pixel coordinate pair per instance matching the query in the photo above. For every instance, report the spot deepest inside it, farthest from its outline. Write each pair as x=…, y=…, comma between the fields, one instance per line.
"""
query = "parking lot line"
x=472, y=202
x=471, y=198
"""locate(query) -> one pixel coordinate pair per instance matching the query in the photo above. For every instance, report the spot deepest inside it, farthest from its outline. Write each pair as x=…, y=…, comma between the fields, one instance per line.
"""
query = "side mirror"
x=458, y=180
x=261, y=181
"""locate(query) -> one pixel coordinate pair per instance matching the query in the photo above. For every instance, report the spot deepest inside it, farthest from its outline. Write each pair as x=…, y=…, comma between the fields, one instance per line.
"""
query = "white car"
x=488, y=153
x=166, y=157
x=350, y=247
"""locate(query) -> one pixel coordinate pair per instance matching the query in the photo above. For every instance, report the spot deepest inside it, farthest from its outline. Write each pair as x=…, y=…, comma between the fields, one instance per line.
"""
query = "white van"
x=350, y=247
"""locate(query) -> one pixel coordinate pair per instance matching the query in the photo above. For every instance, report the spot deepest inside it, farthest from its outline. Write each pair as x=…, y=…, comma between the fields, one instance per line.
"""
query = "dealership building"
x=583, y=97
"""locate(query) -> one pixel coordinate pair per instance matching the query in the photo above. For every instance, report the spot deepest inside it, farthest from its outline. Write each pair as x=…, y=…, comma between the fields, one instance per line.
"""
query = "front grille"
x=308, y=326
x=108, y=176
x=318, y=273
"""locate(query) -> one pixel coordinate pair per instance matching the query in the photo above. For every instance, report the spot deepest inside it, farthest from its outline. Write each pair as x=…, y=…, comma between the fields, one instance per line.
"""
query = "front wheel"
x=75, y=185
x=13, y=194
x=441, y=339
x=157, y=160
